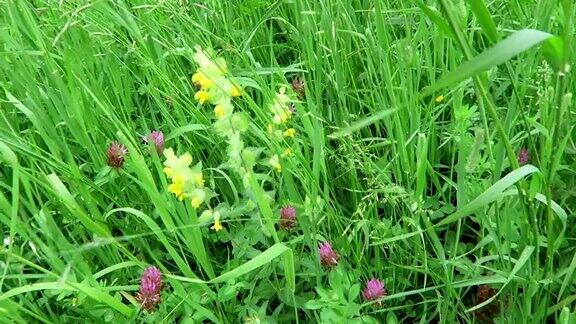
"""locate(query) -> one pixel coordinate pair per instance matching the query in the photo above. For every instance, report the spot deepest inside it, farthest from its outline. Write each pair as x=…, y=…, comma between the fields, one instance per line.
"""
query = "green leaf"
x=484, y=19
x=493, y=193
x=184, y=129
x=554, y=52
x=504, y=50
x=436, y=18
x=362, y=123
x=262, y=259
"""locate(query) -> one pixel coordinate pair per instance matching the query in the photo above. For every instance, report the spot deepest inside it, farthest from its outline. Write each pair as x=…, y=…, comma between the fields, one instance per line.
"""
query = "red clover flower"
x=374, y=290
x=150, y=288
x=116, y=154
x=287, y=217
x=328, y=257
x=156, y=137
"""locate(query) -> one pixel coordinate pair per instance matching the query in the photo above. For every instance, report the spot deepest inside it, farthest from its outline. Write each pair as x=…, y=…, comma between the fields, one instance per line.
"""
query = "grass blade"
x=493, y=193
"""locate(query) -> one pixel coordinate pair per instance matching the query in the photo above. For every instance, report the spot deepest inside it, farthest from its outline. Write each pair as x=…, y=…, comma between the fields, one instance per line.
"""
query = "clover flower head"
x=374, y=290
x=287, y=217
x=156, y=137
x=116, y=154
x=328, y=257
x=523, y=156
x=150, y=288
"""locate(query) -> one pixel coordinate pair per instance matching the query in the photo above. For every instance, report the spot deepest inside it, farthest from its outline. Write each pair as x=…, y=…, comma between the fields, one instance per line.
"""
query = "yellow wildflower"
x=196, y=202
x=275, y=163
x=287, y=152
x=199, y=179
x=177, y=186
x=202, y=96
x=219, y=111
x=198, y=196
x=168, y=171
x=290, y=132
x=202, y=80
x=439, y=99
x=217, y=224
x=235, y=91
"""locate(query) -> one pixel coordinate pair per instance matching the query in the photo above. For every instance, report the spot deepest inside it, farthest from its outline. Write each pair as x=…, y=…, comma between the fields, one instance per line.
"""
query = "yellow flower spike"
x=202, y=96
x=290, y=132
x=199, y=179
x=440, y=99
x=287, y=152
x=219, y=111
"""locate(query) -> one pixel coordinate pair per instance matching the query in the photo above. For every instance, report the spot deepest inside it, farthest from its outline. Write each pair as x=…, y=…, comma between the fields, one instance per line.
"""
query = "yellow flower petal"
x=235, y=91
x=290, y=132
x=219, y=111
x=196, y=202
x=199, y=179
x=202, y=96
x=217, y=225
x=439, y=99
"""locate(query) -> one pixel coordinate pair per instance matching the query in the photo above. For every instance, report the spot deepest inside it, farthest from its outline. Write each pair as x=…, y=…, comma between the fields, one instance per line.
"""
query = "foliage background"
x=377, y=165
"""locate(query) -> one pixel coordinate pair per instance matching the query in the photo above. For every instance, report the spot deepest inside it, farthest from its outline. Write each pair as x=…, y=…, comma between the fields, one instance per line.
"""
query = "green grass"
x=427, y=196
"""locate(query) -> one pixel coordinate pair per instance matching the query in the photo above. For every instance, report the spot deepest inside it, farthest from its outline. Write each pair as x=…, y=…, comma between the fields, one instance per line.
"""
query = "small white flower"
x=8, y=241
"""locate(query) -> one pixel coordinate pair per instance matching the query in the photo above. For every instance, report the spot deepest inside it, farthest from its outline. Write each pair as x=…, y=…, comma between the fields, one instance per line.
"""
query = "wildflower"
x=328, y=257
x=8, y=241
x=287, y=217
x=150, y=288
x=374, y=290
x=202, y=80
x=177, y=186
x=235, y=91
x=156, y=137
x=280, y=109
x=290, y=132
x=219, y=111
x=186, y=182
x=275, y=163
x=198, y=197
x=116, y=154
x=217, y=224
x=440, y=99
x=523, y=156
x=298, y=86
x=287, y=152
x=199, y=179
x=202, y=96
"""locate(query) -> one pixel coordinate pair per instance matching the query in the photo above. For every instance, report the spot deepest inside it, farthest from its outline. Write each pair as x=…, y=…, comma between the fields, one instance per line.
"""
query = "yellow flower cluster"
x=187, y=183
x=216, y=87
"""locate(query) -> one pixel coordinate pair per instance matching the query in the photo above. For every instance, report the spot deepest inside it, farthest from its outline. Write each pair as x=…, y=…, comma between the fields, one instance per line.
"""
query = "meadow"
x=289, y=161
